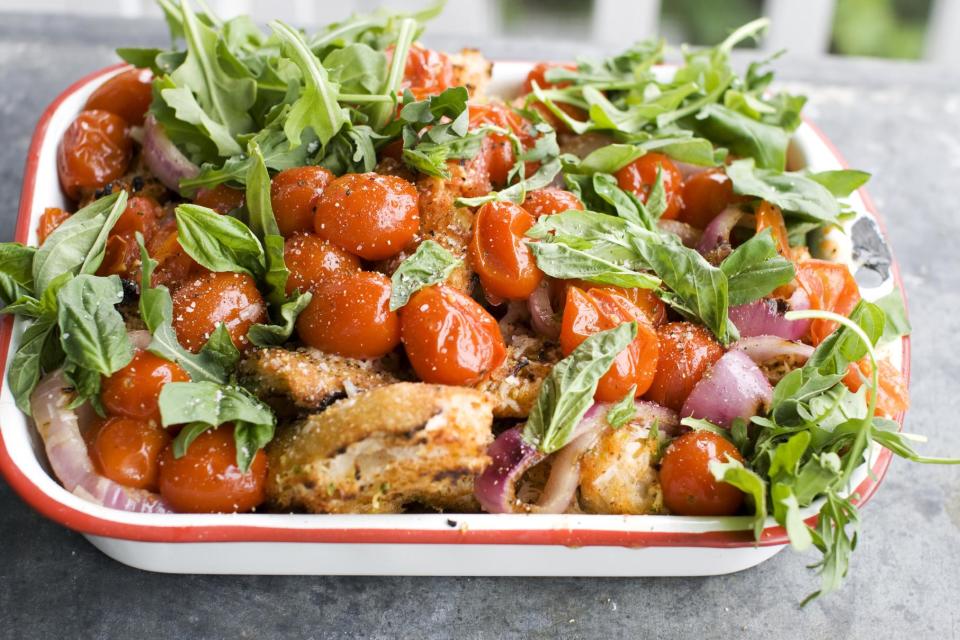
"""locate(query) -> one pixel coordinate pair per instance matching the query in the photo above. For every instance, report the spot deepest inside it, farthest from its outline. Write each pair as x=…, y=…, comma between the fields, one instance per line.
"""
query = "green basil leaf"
x=843, y=182
x=263, y=223
x=25, y=366
x=219, y=243
x=744, y=136
x=734, y=473
x=755, y=269
x=250, y=438
x=565, y=262
x=220, y=350
x=187, y=435
x=16, y=271
x=77, y=245
x=430, y=264
x=266, y=335
x=568, y=391
x=795, y=193
x=92, y=332
x=624, y=410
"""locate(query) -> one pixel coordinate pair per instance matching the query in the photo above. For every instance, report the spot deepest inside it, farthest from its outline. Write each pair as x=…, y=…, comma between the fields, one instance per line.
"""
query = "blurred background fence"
x=906, y=29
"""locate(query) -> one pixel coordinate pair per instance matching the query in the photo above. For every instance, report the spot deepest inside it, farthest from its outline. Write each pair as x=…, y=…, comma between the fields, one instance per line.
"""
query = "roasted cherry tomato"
x=588, y=312
x=127, y=450
x=175, y=265
x=449, y=338
x=313, y=261
x=499, y=253
x=133, y=390
x=686, y=352
x=293, y=194
x=550, y=200
x=205, y=302
x=126, y=94
x=645, y=299
x=369, y=215
x=640, y=175
x=893, y=397
x=497, y=153
x=122, y=255
x=539, y=75
x=52, y=218
x=689, y=488
x=207, y=479
x=95, y=149
x=705, y=195
x=769, y=216
x=831, y=287
x=427, y=72
x=221, y=198
x=351, y=317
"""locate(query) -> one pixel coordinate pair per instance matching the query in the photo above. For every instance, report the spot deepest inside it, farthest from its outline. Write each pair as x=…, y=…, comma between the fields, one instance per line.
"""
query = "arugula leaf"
x=624, y=410
x=219, y=243
x=263, y=223
x=266, y=335
x=92, y=332
x=77, y=245
x=430, y=264
x=206, y=405
x=568, y=391
x=796, y=194
x=734, y=473
x=744, y=136
x=357, y=68
x=755, y=269
x=841, y=183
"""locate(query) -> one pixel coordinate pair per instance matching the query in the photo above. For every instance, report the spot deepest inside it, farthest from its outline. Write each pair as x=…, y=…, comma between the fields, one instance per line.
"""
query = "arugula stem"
x=381, y=112
x=356, y=98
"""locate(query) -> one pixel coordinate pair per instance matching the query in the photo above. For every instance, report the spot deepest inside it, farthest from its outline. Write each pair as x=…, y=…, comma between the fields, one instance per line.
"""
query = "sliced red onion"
x=564, y=476
x=718, y=231
x=496, y=487
x=765, y=317
x=165, y=161
x=734, y=387
x=688, y=234
x=762, y=349
x=542, y=317
x=650, y=413
x=59, y=427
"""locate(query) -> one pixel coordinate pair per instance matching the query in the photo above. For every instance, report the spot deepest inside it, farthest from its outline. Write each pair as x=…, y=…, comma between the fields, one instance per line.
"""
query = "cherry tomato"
x=313, y=261
x=95, y=149
x=427, y=72
x=705, y=195
x=203, y=303
x=207, y=479
x=769, y=216
x=588, y=312
x=550, y=200
x=126, y=94
x=133, y=390
x=539, y=75
x=449, y=338
x=351, y=317
x=893, y=397
x=293, y=194
x=497, y=151
x=498, y=253
x=646, y=300
x=175, y=265
x=221, y=198
x=122, y=255
x=52, y=218
x=689, y=488
x=686, y=352
x=640, y=175
x=369, y=215
x=127, y=450
x=831, y=287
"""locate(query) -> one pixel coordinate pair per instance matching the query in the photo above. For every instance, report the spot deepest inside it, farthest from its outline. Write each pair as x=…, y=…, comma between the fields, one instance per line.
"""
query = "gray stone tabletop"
x=899, y=121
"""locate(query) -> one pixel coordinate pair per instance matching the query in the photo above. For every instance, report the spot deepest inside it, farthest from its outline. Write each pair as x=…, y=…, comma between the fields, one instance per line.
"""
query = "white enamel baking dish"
x=405, y=544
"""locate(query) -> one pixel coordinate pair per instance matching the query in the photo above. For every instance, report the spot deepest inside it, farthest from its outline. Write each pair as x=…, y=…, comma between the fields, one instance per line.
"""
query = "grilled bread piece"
x=374, y=453
x=307, y=379
x=471, y=70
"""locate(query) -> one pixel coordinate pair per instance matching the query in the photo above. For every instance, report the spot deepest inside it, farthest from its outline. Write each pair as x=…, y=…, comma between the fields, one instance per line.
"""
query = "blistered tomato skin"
x=497, y=154
x=221, y=198
x=549, y=201
x=499, y=252
x=449, y=338
x=127, y=451
x=133, y=391
x=687, y=351
x=95, y=149
x=370, y=215
x=689, y=488
x=293, y=194
x=640, y=175
x=204, y=302
x=207, y=479
x=588, y=312
x=312, y=262
x=539, y=75
x=52, y=218
x=705, y=196
x=126, y=94
x=427, y=72
x=175, y=266
x=121, y=254
x=351, y=317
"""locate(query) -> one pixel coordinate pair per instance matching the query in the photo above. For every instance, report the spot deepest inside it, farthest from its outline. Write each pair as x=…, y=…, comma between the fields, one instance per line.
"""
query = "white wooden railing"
x=801, y=26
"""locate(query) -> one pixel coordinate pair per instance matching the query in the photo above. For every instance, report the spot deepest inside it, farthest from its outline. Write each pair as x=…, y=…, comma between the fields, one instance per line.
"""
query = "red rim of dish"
x=49, y=506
